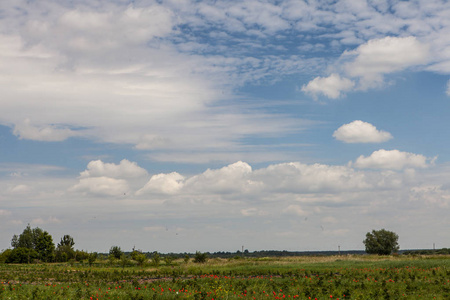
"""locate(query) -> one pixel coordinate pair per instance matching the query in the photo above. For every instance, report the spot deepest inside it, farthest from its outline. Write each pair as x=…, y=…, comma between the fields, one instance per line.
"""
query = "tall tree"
x=45, y=247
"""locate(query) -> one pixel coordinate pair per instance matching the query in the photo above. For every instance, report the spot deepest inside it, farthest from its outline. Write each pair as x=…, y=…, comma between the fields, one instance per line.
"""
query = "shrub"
x=200, y=257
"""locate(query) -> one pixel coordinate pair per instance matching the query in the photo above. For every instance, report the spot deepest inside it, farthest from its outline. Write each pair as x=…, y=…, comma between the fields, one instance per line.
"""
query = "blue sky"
x=207, y=125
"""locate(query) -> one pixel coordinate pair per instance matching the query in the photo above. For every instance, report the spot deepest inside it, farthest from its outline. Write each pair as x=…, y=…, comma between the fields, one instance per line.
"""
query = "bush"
x=141, y=259
x=200, y=257
x=156, y=258
x=4, y=255
x=22, y=255
x=116, y=252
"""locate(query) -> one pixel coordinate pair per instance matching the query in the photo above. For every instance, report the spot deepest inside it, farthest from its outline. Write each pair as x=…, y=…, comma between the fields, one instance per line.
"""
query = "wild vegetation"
x=36, y=269
x=325, y=277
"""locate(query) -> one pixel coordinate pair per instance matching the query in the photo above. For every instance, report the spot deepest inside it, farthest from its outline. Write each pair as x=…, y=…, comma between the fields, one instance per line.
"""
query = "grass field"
x=330, y=277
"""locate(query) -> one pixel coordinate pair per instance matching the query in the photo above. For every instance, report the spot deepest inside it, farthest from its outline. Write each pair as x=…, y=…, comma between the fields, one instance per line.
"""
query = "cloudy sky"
x=184, y=125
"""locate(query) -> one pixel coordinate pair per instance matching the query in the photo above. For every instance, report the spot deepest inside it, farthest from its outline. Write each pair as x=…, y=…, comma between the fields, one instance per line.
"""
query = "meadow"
x=327, y=277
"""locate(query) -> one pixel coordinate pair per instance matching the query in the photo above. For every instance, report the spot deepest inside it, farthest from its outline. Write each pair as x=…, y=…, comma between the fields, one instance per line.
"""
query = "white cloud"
x=103, y=186
x=229, y=179
x=163, y=183
x=382, y=56
x=125, y=169
x=393, y=159
x=47, y=133
x=361, y=132
x=19, y=189
x=296, y=177
x=332, y=86
x=431, y=194
x=366, y=65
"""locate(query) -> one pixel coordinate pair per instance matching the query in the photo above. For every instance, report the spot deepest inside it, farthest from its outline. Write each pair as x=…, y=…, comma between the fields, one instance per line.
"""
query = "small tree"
x=381, y=242
x=64, y=250
x=200, y=257
x=116, y=252
x=156, y=258
x=141, y=259
x=168, y=260
x=92, y=257
x=124, y=261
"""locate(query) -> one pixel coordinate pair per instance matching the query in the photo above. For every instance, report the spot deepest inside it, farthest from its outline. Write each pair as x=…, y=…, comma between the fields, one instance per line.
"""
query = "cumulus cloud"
x=382, y=56
x=163, y=183
x=296, y=177
x=393, y=159
x=102, y=186
x=361, y=132
x=108, y=179
x=332, y=86
x=366, y=65
x=125, y=169
x=240, y=179
x=229, y=179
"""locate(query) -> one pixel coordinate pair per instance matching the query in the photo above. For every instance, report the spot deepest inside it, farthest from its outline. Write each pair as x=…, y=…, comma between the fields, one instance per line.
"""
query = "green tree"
x=64, y=250
x=67, y=240
x=200, y=257
x=381, y=242
x=4, y=255
x=156, y=258
x=21, y=255
x=141, y=259
x=28, y=238
x=92, y=257
x=45, y=247
x=124, y=261
x=168, y=260
x=116, y=252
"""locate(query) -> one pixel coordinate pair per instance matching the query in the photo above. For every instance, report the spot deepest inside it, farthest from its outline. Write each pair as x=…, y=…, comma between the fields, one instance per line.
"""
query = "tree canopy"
x=381, y=242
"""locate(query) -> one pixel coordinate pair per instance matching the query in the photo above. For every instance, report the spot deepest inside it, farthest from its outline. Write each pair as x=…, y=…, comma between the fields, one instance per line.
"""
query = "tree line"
x=36, y=245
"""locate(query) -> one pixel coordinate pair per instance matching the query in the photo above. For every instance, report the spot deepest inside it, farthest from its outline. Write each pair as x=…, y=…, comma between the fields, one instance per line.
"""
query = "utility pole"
x=339, y=249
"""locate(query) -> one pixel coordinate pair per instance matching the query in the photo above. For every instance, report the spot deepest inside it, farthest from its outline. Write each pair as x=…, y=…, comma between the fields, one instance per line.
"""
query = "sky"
x=183, y=125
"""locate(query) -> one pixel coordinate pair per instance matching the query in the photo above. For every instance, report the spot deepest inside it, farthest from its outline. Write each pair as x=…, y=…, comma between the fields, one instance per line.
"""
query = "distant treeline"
x=442, y=251
x=284, y=253
x=256, y=254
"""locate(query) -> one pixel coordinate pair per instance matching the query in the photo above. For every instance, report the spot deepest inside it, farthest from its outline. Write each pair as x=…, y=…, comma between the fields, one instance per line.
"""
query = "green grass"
x=344, y=277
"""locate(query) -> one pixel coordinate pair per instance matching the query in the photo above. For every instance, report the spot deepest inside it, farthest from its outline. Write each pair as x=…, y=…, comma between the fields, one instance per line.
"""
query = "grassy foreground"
x=332, y=277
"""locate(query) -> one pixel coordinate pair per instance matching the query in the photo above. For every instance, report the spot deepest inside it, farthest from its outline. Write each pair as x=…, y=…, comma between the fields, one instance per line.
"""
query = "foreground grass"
x=343, y=277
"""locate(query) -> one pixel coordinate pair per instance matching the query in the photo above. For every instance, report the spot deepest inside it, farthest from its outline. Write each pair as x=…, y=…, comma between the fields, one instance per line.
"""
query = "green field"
x=329, y=277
